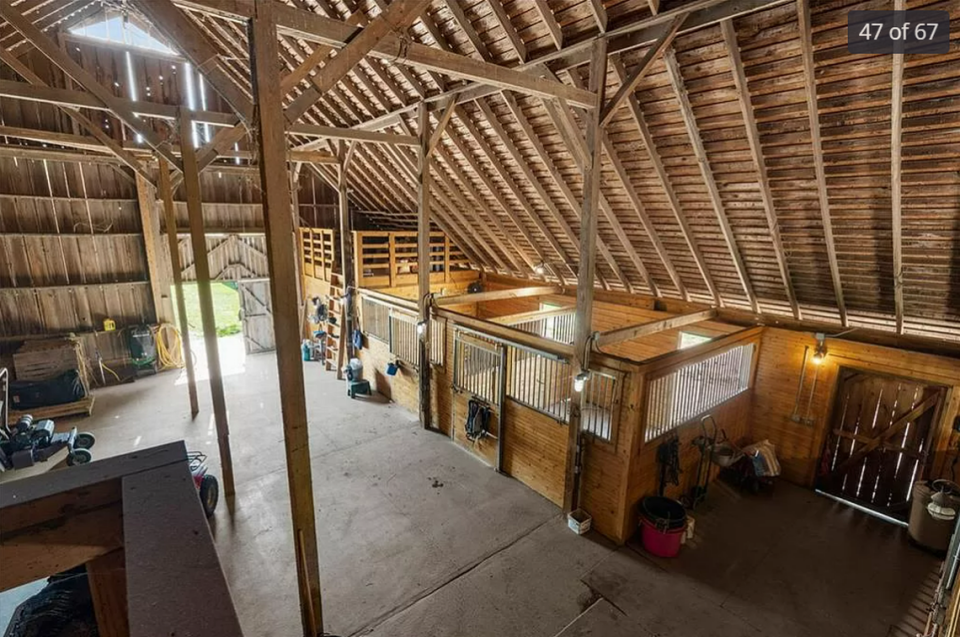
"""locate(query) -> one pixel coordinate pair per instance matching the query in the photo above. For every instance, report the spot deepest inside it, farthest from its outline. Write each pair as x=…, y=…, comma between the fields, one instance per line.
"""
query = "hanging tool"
x=668, y=456
x=705, y=444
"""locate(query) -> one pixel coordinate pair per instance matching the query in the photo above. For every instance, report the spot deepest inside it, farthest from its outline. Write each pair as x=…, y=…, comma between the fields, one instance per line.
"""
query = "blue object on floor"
x=355, y=387
x=392, y=369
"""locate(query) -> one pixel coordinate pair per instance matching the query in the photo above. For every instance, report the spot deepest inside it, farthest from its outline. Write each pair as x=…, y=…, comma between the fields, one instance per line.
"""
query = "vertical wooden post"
x=346, y=258
x=586, y=273
x=423, y=264
x=173, y=241
x=108, y=590
x=278, y=224
x=191, y=183
x=149, y=225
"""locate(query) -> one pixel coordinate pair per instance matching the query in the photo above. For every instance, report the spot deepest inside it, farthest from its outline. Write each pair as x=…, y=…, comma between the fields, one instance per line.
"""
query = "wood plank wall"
x=799, y=445
x=77, y=225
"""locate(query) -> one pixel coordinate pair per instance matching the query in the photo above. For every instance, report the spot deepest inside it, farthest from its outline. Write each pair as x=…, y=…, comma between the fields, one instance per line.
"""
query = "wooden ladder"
x=336, y=343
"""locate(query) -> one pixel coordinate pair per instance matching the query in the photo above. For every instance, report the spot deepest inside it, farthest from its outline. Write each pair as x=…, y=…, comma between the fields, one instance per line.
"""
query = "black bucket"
x=664, y=513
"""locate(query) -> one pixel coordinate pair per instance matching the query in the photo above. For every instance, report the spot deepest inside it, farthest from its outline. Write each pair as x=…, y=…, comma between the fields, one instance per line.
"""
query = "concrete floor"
x=418, y=537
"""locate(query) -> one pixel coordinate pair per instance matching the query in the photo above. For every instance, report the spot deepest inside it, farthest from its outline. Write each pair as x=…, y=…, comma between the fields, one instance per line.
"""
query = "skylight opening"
x=116, y=29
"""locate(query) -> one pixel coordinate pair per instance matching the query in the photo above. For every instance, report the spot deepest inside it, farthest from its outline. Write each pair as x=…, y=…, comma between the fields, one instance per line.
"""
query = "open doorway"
x=229, y=324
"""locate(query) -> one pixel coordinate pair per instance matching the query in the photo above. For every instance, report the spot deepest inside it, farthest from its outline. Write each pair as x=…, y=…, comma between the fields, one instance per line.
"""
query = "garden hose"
x=172, y=357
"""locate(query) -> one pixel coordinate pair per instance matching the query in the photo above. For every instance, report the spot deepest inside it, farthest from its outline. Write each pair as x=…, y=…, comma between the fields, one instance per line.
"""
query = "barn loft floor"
x=419, y=538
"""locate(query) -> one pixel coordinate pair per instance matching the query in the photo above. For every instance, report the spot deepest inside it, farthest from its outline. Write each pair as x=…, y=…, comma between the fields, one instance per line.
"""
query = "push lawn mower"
x=29, y=442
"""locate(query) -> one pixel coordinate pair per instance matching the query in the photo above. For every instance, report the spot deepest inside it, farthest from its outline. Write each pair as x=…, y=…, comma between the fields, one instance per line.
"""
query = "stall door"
x=257, y=315
x=879, y=441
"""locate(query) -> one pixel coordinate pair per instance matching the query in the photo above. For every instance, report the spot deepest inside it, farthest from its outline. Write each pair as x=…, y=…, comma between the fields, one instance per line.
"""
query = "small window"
x=689, y=339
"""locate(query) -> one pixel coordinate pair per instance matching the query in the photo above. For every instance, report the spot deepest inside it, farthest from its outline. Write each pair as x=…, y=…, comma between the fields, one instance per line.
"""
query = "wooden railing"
x=389, y=259
x=318, y=252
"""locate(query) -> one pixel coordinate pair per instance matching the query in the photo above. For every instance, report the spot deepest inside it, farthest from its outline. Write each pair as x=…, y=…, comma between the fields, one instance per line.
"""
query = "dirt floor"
x=417, y=537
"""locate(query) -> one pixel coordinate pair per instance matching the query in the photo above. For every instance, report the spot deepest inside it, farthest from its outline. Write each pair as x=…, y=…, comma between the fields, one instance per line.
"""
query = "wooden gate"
x=879, y=439
x=257, y=316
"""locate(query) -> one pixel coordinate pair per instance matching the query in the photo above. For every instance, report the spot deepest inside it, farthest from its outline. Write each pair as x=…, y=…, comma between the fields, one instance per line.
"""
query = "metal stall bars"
x=689, y=391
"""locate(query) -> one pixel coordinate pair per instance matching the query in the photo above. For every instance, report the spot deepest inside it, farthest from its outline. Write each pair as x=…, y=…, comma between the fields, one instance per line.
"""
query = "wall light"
x=580, y=380
x=421, y=328
x=540, y=269
x=820, y=354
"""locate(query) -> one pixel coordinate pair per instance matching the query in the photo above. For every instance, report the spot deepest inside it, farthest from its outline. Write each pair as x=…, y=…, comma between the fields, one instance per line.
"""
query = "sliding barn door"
x=257, y=314
x=879, y=440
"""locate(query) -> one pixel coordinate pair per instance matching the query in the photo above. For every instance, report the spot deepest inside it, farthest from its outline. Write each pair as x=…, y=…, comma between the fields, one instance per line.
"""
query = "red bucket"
x=662, y=543
x=662, y=524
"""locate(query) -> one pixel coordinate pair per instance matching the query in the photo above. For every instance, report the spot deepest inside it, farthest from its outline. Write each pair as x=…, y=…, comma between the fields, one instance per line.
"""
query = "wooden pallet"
x=83, y=407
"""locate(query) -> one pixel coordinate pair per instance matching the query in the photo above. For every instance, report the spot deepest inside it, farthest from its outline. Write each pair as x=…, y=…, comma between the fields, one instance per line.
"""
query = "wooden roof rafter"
x=480, y=206
x=809, y=72
x=690, y=121
x=896, y=176
x=508, y=180
x=756, y=151
x=636, y=114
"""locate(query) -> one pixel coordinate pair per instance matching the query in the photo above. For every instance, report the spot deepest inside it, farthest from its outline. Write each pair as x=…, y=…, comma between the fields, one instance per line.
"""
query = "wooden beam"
x=523, y=317
x=59, y=58
x=98, y=133
x=636, y=114
x=503, y=19
x=467, y=27
x=445, y=116
x=397, y=16
x=150, y=231
x=896, y=176
x=512, y=185
x=810, y=80
x=756, y=152
x=532, y=179
x=497, y=295
x=629, y=85
x=586, y=274
x=495, y=192
x=108, y=591
x=278, y=223
x=316, y=28
x=599, y=13
x=350, y=134
x=550, y=21
x=424, y=266
x=564, y=350
x=693, y=132
x=483, y=213
x=191, y=183
x=644, y=218
x=173, y=245
x=39, y=551
x=631, y=332
x=192, y=42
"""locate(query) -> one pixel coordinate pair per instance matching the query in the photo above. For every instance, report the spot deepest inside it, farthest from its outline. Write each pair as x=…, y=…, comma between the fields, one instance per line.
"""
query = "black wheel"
x=85, y=440
x=79, y=456
x=209, y=494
